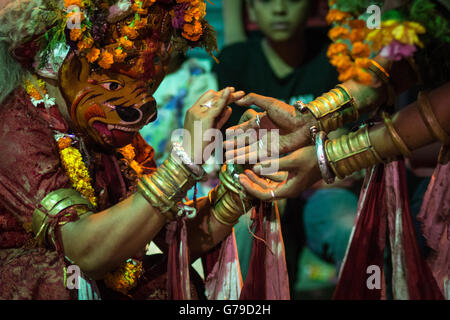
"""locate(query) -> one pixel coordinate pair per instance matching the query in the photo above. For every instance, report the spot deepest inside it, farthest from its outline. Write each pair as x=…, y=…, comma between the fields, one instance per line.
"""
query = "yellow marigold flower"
x=129, y=32
x=77, y=172
x=337, y=32
x=193, y=31
x=360, y=50
x=407, y=33
x=337, y=48
x=124, y=42
x=335, y=15
x=86, y=43
x=93, y=54
x=106, y=60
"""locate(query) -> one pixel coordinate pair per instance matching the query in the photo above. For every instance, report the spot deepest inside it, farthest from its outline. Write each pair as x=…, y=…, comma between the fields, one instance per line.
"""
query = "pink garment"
x=435, y=218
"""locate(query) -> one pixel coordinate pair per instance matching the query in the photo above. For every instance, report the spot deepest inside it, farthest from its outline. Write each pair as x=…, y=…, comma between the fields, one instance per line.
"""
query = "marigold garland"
x=353, y=43
x=72, y=162
x=126, y=277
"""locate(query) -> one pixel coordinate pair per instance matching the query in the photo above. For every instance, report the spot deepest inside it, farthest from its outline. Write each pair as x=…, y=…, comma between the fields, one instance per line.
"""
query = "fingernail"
x=257, y=168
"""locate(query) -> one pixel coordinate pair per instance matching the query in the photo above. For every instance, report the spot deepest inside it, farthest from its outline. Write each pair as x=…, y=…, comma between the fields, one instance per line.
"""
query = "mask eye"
x=111, y=85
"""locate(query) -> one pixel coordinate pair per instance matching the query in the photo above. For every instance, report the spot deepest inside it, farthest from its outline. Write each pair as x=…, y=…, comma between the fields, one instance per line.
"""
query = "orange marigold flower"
x=137, y=7
x=119, y=55
x=193, y=31
x=336, y=48
x=347, y=74
x=357, y=35
x=363, y=77
x=147, y=3
x=130, y=32
x=195, y=13
x=141, y=23
x=68, y=3
x=64, y=142
x=93, y=55
x=335, y=15
x=337, y=32
x=362, y=62
x=106, y=60
x=76, y=34
x=124, y=42
x=341, y=62
x=360, y=50
x=86, y=43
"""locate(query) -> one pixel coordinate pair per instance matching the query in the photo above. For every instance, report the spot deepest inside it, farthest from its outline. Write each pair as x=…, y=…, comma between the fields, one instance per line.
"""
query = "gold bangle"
x=396, y=139
x=384, y=77
x=166, y=187
x=351, y=153
x=333, y=109
x=430, y=120
x=228, y=200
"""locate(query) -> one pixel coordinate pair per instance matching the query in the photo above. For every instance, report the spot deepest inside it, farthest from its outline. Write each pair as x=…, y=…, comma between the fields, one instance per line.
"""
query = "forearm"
x=100, y=242
x=349, y=100
x=204, y=231
x=383, y=142
x=410, y=125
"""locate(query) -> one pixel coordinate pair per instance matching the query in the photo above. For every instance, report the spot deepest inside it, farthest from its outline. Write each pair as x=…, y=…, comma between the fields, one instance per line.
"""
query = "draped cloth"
x=267, y=275
x=435, y=219
x=383, y=212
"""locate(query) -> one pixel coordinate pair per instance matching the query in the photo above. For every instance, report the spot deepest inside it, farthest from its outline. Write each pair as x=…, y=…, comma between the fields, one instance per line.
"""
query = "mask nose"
x=128, y=114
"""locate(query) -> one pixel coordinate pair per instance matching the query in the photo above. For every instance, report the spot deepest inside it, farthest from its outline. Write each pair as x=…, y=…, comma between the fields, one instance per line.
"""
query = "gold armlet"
x=52, y=204
x=430, y=120
x=351, y=153
x=384, y=77
x=167, y=186
x=332, y=109
x=228, y=199
x=396, y=139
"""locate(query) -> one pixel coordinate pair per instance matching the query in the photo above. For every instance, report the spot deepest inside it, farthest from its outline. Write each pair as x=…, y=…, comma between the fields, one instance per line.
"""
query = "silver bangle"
x=327, y=175
x=197, y=170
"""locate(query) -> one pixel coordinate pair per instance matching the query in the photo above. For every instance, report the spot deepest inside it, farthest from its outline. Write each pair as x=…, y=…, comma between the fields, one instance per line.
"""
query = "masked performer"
x=410, y=47
x=79, y=187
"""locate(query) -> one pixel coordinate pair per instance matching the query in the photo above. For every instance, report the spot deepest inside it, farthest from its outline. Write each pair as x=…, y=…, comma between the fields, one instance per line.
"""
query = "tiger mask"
x=109, y=107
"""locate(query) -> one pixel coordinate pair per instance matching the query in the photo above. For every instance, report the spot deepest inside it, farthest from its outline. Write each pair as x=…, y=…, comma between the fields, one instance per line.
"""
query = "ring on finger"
x=208, y=104
x=258, y=120
x=272, y=194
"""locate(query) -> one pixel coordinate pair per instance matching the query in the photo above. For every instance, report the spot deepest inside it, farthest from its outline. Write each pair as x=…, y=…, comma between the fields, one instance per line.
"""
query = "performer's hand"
x=210, y=111
x=297, y=172
x=294, y=128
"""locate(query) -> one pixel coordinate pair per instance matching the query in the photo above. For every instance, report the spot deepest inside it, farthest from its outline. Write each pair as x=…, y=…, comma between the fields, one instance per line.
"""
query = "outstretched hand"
x=294, y=128
x=210, y=111
x=296, y=172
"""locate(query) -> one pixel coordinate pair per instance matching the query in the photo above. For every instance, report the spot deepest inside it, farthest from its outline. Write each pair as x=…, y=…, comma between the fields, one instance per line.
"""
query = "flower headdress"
x=401, y=33
x=116, y=31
